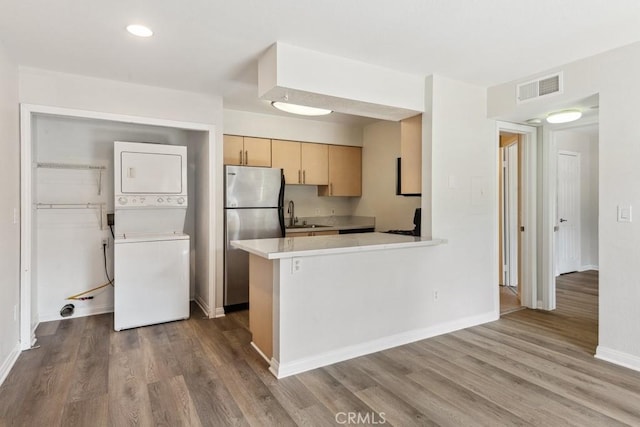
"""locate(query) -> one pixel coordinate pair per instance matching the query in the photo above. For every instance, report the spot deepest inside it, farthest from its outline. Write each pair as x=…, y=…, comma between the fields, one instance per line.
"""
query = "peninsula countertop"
x=289, y=247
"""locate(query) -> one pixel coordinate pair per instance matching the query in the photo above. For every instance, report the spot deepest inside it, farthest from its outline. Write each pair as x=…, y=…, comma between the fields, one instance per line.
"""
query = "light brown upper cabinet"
x=301, y=162
x=345, y=172
x=411, y=155
x=247, y=151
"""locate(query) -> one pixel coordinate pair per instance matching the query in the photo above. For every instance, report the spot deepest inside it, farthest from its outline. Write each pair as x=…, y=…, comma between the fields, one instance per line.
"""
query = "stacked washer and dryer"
x=151, y=250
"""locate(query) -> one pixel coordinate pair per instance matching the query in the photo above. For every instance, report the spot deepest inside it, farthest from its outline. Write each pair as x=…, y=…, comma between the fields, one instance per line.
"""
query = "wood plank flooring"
x=528, y=368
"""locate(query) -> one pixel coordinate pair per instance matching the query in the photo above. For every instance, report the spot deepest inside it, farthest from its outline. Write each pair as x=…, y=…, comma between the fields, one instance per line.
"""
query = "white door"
x=568, y=218
x=510, y=215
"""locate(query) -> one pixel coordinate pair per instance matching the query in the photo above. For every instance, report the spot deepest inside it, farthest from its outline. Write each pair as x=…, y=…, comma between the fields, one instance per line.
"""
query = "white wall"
x=380, y=150
x=9, y=202
x=49, y=88
x=462, y=177
x=614, y=76
x=585, y=143
x=307, y=202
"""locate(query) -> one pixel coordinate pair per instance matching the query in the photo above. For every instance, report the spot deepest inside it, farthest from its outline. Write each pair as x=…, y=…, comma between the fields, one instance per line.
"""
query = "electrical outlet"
x=296, y=265
x=105, y=242
x=317, y=211
x=435, y=295
x=333, y=211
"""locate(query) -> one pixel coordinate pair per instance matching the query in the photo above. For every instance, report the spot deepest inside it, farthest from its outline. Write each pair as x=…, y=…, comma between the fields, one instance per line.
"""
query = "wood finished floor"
x=528, y=368
x=509, y=300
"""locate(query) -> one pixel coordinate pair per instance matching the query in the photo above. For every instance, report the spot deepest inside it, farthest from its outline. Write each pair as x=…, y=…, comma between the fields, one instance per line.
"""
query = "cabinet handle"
x=304, y=176
x=241, y=158
x=246, y=158
x=299, y=181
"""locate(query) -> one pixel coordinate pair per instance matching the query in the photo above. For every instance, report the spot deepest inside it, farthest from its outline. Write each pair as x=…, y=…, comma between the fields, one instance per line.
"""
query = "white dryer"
x=151, y=251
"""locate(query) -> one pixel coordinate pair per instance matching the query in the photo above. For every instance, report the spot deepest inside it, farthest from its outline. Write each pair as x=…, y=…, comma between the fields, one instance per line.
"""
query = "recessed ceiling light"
x=564, y=116
x=139, y=30
x=300, y=109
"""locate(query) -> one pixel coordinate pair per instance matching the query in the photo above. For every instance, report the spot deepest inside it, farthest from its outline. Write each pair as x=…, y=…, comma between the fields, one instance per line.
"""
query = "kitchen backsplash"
x=308, y=204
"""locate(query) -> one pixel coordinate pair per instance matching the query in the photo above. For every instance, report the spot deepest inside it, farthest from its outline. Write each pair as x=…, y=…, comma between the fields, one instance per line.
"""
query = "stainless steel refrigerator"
x=253, y=209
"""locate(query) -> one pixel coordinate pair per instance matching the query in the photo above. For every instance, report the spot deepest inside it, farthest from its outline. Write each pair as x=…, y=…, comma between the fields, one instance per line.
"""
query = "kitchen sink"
x=306, y=226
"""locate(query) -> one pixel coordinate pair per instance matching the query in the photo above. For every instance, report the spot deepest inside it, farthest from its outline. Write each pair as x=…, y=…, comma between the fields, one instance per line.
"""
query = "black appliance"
x=417, y=221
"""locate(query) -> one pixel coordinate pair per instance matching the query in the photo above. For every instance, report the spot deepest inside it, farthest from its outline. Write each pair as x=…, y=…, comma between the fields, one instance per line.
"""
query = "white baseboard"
x=618, y=357
x=77, y=312
x=588, y=267
x=281, y=370
x=219, y=312
x=203, y=306
x=8, y=362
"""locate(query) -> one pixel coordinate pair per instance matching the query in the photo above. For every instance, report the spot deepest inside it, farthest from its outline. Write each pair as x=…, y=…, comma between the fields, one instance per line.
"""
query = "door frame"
x=529, y=285
x=549, y=207
x=28, y=322
x=508, y=213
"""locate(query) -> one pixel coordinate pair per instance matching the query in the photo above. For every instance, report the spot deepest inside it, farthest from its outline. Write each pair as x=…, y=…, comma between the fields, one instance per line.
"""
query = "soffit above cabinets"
x=301, y=76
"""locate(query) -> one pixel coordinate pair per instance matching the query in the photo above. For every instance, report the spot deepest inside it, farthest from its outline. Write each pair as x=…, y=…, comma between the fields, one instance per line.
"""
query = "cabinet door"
x=325, y=233
x=345, y=171
x=314, y=163
x=298, y=234
x=286, y=155
x=257, y=151
x=411, y=155
x=233, y=150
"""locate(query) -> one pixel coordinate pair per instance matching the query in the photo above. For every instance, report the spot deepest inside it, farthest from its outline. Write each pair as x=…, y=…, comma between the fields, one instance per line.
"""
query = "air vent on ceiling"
x=535, y=89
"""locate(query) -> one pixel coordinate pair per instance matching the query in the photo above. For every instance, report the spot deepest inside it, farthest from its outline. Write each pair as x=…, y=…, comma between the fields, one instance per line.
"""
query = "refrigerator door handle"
x=281, y=219
x=281, y=204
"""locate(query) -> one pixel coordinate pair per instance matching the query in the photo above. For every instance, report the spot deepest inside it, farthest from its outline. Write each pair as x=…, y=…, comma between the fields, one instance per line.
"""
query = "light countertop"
x=289, y=247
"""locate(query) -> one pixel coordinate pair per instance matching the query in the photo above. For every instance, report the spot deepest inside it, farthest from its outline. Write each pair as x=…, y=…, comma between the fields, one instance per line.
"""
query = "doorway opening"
x=516, y=212
x=510, y=221
x=576, y=222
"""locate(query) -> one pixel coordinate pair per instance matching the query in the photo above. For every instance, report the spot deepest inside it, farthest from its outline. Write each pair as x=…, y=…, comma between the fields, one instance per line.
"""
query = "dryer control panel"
x=151, y=200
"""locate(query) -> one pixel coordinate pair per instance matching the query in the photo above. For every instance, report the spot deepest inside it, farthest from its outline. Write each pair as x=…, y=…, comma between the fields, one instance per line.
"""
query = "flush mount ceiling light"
x=139, y=30
x=564, y=116
x=300, y=109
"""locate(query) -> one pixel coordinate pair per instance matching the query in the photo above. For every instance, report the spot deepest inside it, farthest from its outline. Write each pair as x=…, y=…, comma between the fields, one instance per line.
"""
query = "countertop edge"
x=339, y=250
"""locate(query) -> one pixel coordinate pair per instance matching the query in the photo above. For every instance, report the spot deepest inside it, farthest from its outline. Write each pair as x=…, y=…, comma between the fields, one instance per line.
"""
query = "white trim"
x=26, y=113
x=264, y=356
x=77, y=312
x=618, y=357
x=281, y=370
x=529, y=285
x=219, y=312
x=549, y=170
x=203, y=306
x=589, y=267
x=33, y=336
x=8, y=362
x=25, y=227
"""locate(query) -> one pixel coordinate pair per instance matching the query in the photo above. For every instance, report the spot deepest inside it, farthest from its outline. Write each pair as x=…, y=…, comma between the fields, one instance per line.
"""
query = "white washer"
x=152, y=280
x=151, y=251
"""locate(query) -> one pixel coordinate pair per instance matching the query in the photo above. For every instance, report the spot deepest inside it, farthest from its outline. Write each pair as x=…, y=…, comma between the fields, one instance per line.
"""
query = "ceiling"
x=213, y=46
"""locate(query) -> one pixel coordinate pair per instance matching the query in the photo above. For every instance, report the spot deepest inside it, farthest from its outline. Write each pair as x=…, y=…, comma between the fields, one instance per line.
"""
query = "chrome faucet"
x=292, y=213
